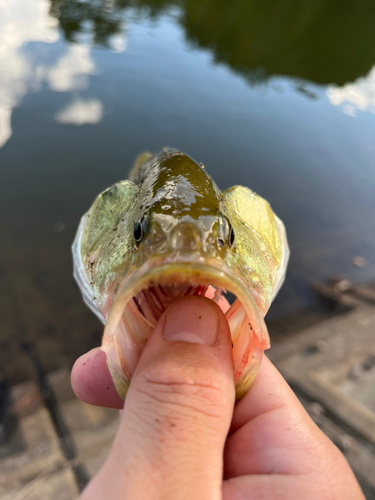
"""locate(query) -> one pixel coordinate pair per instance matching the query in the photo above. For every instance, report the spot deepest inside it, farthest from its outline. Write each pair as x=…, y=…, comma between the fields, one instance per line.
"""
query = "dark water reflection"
x=317, y=40
x=278, y=96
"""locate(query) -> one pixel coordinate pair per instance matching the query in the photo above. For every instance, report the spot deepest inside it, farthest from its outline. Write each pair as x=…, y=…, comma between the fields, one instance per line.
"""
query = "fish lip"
x=182, y=267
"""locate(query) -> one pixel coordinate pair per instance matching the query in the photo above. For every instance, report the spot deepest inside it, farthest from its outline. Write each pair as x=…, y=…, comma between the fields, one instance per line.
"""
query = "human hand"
x=179, y=437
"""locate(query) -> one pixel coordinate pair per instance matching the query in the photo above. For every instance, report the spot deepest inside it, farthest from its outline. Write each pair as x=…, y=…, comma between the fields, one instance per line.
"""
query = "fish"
x=169, y=232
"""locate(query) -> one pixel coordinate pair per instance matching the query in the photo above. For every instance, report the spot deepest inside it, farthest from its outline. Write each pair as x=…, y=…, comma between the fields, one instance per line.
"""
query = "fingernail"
x=195, y=320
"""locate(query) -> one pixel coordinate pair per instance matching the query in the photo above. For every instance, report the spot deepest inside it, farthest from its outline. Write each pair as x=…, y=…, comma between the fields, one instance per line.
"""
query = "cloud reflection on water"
x=88, y=22
x=25, y=21
x=81, y=112
x=356, y=96
x=72, y=70
x=21, y=21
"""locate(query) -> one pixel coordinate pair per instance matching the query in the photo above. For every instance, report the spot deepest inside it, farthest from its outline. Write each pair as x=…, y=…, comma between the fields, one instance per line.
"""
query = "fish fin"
x=138, y=164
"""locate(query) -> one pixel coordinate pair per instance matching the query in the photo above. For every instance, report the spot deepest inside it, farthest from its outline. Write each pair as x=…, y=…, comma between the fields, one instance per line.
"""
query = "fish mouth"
x=143, y=297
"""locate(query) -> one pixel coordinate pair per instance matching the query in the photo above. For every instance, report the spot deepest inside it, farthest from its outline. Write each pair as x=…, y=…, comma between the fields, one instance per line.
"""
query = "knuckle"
x=185, y=386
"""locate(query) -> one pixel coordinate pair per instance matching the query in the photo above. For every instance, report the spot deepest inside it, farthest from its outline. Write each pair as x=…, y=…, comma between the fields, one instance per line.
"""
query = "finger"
x=274, y=446
x=177, y=411
x=273, y=436
x=92, y=382
x=338, y=483
x=269, y=391
x=270, y=429
x=90, y=377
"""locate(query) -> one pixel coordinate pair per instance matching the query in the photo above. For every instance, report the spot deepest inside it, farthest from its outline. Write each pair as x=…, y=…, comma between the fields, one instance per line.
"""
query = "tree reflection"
x=101, y=18
x=324, y=41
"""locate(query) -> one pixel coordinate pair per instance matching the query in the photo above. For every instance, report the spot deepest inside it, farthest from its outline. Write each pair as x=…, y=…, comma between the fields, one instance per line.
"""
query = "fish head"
x=180, y=213
x=169, y=233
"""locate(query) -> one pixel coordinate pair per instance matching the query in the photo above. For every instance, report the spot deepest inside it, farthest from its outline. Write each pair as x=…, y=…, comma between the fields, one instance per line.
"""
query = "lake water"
x=278, y=96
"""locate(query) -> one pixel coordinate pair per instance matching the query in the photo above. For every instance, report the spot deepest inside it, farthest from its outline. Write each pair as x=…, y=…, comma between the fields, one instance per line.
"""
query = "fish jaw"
x=143, y=297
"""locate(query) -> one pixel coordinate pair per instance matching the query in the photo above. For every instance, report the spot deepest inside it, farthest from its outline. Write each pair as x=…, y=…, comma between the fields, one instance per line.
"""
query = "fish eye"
x=138, y=231
x=231, y=236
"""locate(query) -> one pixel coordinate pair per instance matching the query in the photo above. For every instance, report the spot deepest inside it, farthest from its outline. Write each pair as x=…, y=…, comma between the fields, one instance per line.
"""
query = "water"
x=277, y=96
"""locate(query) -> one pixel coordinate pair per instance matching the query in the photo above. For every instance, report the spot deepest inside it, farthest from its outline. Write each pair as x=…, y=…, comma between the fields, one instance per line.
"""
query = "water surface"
x=278, y=96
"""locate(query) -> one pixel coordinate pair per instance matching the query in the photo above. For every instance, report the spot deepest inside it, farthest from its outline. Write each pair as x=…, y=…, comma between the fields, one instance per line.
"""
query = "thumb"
x=177, y=411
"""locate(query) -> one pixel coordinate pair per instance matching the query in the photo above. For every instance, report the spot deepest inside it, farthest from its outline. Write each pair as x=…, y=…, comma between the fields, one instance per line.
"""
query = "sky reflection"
x=356, y=96
x=71, y=71
x=21, y=22
x=88, y=25
x=81, y=112
x=24, y=22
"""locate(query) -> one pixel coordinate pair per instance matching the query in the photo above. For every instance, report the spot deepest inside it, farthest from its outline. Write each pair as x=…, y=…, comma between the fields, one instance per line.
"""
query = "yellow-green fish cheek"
x=105, y=214
x=108, y=236
x=257, y=237
x=256, y=213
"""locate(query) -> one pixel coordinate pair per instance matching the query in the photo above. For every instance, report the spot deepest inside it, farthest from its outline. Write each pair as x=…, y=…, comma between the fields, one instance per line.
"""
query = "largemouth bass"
x=169, y=232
